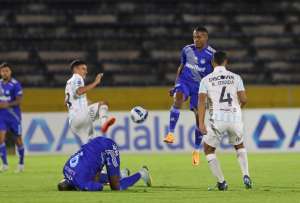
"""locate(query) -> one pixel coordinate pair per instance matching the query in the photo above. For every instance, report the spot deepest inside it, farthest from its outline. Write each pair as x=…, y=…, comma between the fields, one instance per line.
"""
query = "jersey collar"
x=219, y=68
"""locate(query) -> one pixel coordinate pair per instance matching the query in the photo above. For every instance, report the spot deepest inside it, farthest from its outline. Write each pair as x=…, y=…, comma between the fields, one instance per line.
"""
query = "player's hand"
x=4, y=105
x=172, y=92
x=98, y=78
x=202, y=129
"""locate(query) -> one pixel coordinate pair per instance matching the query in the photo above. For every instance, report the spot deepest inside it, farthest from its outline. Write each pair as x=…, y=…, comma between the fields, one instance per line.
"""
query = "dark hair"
x=219, y=57
x=4, y=64
x=64, y=185
x=200, y=29
x=75, y=63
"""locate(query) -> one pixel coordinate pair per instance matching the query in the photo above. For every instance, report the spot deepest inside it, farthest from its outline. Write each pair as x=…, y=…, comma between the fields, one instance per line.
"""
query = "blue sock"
x=198, y=138
x=174, y=115
x=21, y=154
x=3, y=153
x=129, y=181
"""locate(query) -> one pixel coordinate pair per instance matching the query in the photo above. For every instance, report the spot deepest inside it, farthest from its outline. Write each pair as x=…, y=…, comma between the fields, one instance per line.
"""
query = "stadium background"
x=137, y=45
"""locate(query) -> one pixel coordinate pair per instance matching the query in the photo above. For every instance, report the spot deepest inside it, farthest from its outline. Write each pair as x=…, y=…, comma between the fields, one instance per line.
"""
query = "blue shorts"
x=11, y=123
x=189, y=90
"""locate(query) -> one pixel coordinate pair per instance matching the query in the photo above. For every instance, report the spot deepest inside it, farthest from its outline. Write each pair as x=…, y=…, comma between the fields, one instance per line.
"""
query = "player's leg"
x=16, y=129
x=198, y=140
x=3, y=152
x=242, y=158
x=236, y=139
x=105, y=121
x=100, y=111
x=210, y=142
x=21, y=153
x=131, y=180
x=181, y=94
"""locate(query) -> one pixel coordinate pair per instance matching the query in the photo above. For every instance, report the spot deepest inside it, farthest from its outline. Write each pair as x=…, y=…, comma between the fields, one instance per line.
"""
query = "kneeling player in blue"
x=83, y=170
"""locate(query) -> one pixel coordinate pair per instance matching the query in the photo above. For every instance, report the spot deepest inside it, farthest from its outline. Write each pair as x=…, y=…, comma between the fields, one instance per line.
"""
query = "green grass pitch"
x=276, y=178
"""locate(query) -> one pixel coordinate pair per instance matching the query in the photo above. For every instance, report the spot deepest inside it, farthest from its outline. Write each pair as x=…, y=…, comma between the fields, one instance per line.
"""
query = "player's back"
x=91, y=157
x=222, y=87
x=75, y=102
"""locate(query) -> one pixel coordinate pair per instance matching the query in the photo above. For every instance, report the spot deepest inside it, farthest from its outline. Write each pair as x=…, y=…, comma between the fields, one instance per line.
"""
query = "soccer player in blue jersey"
x=195, y=64
x=83, y=170
x=10, y=114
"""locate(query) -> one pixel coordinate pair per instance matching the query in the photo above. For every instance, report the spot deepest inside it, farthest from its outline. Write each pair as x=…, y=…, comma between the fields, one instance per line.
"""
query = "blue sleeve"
x=113, y=163
x=183, y=56
x=18, y=90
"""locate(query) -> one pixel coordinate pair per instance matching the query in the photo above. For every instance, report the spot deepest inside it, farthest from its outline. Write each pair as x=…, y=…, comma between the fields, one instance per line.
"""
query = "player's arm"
x=84, y=89
x=241, y=93
x=16, y=102
x=201, y=112
x=114, y=182
x=242, y=98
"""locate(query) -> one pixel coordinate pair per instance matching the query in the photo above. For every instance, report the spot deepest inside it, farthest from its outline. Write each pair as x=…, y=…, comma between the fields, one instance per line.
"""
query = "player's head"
x=219, y=59
x=79, y=67
x=5, y=71
x=200, y=36
x=64, y=185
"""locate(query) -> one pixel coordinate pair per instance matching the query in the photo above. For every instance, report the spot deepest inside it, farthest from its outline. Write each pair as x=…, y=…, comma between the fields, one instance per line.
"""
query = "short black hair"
x=220, y=57
x=4, y=64
x=75, y=63
x=201, y=29
x=64, y=185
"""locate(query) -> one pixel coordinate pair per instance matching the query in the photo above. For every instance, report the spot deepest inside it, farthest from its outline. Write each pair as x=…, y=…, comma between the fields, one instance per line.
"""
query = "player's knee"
x=208, y=149
x=2, y=138
x=239, y=146
x=19, y=141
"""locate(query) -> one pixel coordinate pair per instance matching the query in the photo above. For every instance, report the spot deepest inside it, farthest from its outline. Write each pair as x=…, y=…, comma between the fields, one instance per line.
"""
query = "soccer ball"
x=138, y=114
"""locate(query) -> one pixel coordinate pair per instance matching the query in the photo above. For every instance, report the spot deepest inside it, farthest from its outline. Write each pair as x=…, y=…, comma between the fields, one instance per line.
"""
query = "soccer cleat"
x=222, y=186
x=145, y=175
x=107, y=124
x=4, y=168
x=169, y=138
x=247, y=182
x=20, y=168
x=195, y=158
x=125, y=173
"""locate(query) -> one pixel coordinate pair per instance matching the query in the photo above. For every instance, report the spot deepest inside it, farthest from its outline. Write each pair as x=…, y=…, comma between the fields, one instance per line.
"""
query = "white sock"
x=103, y=111
x=215, y=167
x=243, y=160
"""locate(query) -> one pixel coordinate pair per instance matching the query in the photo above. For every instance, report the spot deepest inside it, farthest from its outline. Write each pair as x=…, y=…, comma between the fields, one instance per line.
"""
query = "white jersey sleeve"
x=203, y=87
x=240, y=84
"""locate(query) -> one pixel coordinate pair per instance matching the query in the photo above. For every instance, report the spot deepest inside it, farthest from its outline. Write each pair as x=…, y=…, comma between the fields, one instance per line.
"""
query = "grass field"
x=276, y=178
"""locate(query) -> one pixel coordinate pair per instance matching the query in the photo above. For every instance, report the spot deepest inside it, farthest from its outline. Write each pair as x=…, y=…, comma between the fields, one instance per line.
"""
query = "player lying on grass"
x=83, y=169
x=225, y=93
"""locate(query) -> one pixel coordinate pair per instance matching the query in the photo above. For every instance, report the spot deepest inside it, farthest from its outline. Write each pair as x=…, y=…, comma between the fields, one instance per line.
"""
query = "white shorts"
x=81, y=122
x=217, y=129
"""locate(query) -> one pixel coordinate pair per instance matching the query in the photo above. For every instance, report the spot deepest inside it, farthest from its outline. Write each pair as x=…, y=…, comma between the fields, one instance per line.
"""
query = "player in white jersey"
x=81, y=114
x=225, y=93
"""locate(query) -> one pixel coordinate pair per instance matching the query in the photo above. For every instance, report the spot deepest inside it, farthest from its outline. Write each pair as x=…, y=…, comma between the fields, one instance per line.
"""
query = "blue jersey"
x=83, y=166
x=8, y=93
x=196, y=63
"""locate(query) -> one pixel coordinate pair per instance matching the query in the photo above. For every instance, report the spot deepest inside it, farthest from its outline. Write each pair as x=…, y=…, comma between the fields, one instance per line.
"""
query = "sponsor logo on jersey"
x=195, y=67
x=221, y=77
